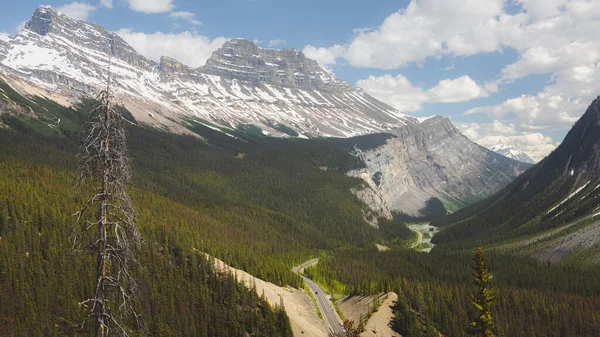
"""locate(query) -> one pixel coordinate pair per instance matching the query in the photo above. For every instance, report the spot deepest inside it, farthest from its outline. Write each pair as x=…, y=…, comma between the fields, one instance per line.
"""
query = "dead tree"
x=112, y=234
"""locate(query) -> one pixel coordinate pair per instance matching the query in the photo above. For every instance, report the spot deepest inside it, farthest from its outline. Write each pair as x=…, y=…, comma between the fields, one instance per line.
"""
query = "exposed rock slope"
x=433, y=159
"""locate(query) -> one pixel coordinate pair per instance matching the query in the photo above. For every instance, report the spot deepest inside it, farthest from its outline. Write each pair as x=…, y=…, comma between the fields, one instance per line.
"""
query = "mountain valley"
x=259, y=161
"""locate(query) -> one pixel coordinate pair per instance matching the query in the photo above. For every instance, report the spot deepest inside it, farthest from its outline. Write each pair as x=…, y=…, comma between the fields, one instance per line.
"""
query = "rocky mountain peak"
x=579, y=153
x=243, y=60
x=510, y=152
x=47, y=21
x=168, y=64
x=44, y=19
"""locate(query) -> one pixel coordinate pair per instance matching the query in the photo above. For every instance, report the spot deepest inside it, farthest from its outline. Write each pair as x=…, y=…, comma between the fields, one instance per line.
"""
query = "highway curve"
x=333, y=321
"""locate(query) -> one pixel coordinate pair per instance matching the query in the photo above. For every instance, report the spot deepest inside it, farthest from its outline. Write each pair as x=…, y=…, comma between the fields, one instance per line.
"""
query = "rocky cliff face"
x=433, y=159
x=242, y=60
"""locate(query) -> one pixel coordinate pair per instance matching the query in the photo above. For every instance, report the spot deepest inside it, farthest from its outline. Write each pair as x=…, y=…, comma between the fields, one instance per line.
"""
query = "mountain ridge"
x=267, y=92
x=71, y=57
x=551, y=211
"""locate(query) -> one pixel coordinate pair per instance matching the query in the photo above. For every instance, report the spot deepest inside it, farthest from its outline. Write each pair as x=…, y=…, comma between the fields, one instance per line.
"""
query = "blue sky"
x=517, y=72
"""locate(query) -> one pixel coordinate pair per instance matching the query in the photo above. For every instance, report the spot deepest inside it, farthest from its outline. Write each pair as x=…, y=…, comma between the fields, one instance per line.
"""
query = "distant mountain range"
x=510, y=152
x=268, y=92
x=240, y=83
x=552, y=211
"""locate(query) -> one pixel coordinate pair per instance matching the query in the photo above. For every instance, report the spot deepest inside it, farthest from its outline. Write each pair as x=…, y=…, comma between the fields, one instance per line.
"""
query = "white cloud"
x=534, y=144
x=188, y=16
x=324, y=56
x=107, y=3
x=461, y=89
x=77, y=10
x=541, y=8
x=187, y=47
x=401, y=94
x=276, y=42
x=558, y=106
x=429, y=28
x=555, y=37
x=151, y=6
x=396, y=91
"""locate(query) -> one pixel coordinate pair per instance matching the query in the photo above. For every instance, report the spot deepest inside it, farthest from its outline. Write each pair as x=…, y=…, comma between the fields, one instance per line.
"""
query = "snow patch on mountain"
x=240, y=84
x=510, y=152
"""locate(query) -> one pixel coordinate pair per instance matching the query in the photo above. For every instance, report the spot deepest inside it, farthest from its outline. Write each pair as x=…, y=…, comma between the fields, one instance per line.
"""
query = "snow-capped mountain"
x=279, y=91
x=510, y=152
x=240, y=83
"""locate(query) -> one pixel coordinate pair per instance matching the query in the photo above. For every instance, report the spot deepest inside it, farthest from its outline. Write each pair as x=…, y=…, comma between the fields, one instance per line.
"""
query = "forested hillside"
x=553, y=204
x=259, y=204
x=549, y=213
x=535, y=299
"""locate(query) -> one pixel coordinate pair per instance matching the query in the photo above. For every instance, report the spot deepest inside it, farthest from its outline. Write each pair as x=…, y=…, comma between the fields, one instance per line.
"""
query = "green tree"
x=483, y=300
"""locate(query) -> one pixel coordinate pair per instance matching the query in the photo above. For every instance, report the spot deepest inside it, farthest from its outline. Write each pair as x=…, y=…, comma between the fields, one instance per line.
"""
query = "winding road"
x=333, y=321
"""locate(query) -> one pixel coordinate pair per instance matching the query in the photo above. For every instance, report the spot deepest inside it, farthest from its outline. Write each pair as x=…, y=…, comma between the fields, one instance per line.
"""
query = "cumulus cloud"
x=544, y=32
x=324, y=56
x=107, y=3
x=276, y=42
x=534, y=144
x=188, y=16
x=77, y=10
x=151, y=6
x=461, y=89
x=401, y=94
x=557, y=106
x=396, y=91
x=429, y=28
x=187, y=47
x=555, y=37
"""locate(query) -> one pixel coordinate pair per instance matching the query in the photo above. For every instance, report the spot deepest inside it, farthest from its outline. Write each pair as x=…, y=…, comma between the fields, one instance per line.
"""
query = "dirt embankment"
x=298, y=305
x=353, y=308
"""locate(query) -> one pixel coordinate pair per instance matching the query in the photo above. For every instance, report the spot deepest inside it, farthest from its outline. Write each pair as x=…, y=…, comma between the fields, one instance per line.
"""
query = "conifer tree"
x=483, y=300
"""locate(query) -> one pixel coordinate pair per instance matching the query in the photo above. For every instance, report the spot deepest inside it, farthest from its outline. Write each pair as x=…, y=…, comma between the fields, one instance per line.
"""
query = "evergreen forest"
x=261, y=205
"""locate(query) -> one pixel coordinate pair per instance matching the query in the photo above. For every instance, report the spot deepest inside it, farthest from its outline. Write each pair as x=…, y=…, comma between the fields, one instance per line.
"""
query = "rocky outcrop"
x=48, y=21
x=242, y=60
x=432, y=159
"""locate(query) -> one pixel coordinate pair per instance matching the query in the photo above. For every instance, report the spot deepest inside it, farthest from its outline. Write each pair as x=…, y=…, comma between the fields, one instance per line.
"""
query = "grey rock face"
x=242, y=60
x=433, y=159
x=46, y=20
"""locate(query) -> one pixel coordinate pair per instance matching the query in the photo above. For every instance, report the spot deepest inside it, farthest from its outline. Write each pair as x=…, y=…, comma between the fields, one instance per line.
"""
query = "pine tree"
x=483, y=300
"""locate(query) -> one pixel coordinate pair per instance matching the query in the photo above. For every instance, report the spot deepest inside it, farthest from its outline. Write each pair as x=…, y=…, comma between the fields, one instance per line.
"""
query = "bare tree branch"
x=104, y=159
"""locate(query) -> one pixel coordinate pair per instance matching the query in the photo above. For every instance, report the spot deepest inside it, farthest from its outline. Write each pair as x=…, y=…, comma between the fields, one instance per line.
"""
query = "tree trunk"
x=101, y=270
x=102, y=242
